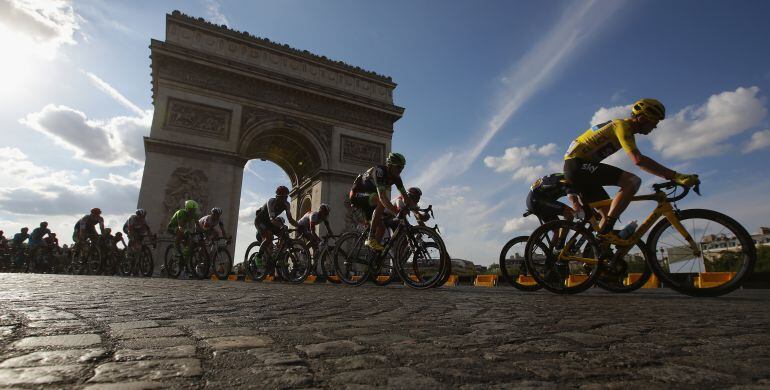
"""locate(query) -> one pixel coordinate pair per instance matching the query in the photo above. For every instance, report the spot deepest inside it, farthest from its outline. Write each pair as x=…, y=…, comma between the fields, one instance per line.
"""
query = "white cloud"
x=45, y=24
x=114, y=142
x=527, y=162
x=700, y=131
x=759, y=140
x=214, y=14
x=523, y=225
x=113, y=93
x=30, y=189
x=534, y=71
x=607, y=114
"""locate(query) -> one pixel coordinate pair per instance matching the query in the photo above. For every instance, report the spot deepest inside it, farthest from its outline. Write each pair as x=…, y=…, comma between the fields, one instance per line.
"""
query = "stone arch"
x=306, y=205
x=222, y=97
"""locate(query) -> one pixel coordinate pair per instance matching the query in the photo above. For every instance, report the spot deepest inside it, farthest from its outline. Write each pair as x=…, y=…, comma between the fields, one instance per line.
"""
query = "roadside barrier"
x=231, y=277
x=652, y=282
x=452, y=281
x=574, y=280
x=310, y=279
x=485, y=281
x=712, y=279
x=382, y=278
x=526, y=280
x=333, y=278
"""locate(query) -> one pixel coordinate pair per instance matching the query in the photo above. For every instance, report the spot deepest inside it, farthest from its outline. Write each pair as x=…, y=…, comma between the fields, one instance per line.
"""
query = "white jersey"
x=400, y=204
x=310, y=217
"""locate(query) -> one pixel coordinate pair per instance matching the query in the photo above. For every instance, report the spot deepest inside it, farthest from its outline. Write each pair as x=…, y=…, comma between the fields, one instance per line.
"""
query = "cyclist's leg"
x=629, y=185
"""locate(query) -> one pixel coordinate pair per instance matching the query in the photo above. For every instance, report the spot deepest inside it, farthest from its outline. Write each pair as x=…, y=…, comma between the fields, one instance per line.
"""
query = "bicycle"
x=221, y=259
x=514, y=270
x=194, y=257
x=355, y=263
x=139, y=261
x=289, y=259
x=322, y=265
x=41, y=260
x=87, y=256
x=680, y=263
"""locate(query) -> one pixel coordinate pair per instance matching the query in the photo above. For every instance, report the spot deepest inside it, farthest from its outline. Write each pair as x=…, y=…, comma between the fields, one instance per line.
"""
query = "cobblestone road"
x=109, y=332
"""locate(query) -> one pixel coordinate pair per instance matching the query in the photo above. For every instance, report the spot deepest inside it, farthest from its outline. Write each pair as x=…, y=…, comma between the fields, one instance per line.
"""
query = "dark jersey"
x=376, y=177
x=550, y=188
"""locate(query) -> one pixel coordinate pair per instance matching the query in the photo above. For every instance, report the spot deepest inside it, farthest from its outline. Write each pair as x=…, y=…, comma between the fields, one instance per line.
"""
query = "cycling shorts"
x=588, y=177
x=364, y=201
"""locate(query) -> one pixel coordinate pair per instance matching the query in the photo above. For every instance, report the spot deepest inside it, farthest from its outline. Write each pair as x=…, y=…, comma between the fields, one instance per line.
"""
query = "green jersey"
x=184, y=219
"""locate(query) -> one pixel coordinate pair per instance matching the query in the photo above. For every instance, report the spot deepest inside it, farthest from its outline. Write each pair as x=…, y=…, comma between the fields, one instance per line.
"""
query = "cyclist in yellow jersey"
x=584, y=170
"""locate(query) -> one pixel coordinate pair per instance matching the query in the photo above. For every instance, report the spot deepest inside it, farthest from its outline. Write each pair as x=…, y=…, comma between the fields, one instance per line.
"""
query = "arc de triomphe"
x=223, y=97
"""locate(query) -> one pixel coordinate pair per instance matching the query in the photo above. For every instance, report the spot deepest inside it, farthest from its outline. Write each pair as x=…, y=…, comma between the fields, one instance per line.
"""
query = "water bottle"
x=628, y=230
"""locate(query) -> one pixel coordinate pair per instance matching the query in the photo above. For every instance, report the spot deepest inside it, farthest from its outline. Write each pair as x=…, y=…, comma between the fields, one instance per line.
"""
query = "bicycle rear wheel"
x=326, y=261
x=351, y=259
x=420, y=258
x=724, y=255
x=556, y=238
x=513, y=267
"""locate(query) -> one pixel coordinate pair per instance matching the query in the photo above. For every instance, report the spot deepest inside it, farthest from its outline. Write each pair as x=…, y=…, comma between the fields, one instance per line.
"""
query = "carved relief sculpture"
x=197, y=118
x=361, y=152
x=183, y=184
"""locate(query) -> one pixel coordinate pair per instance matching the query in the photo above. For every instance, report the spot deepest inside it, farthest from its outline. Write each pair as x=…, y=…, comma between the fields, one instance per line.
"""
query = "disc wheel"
x=724, y=255
x=513, y=267
x=554, y=239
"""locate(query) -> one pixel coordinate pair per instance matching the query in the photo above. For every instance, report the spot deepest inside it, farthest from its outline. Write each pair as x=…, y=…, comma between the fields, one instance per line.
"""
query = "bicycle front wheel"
x=200, y=264
x=718, y=256
x=513, y=268
x=351, y=259
x=421, y=258
x=326, y=261
x=562, y=257
x=94, y=260
x=173, y=261
x=296, y=264
x=146, y=263
x=222, y=262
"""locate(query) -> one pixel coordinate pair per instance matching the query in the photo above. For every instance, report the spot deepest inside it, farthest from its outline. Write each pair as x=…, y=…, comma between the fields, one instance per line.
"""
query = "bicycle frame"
x=663, y=209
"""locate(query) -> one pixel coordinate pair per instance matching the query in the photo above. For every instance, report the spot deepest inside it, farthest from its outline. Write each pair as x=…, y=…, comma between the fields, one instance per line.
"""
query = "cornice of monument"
x=180, y=17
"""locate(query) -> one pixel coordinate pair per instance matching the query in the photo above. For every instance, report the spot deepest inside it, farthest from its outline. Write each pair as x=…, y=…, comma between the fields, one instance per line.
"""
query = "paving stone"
x=160, y=353
x=57, y=324
x=133, y=325
x=385, y=377
x=272, y=358
x=55, y=358
x=238, y=342
x=331, y=348
x=358, y=362
x=74, y=340
x=222, y=331
x=6, y=330
x=147, y=370
x=155, y=342
x=39, y=375
x=147, y=332
x=141, y=385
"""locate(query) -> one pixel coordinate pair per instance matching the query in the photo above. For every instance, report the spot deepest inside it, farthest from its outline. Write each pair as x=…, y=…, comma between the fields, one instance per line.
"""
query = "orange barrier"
x=382, y=278
x=574, y=280
x=247, y=279
x=652, y=282
x=485, y=281
x=231, y=278
x=310, y=279
x=526, y=280
x=214, y=277
x=712, y=279
x=269, y=278
x=452, y=281
x=355, y=278
x=334, y=278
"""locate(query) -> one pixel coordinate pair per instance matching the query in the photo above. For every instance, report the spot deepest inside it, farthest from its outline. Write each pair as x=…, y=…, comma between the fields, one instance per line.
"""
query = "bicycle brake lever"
x=697, y=189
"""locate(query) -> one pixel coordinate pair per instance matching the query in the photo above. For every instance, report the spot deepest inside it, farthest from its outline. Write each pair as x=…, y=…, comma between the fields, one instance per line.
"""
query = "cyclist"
x=212, y=224
x=267, y=218
x=106, y=240
x=3, y=241
x=307, y=224
x=18, y=245
x=118, y=239
x=184, y=222
x=584, y=169
x=369, y=194
x=402, y=206
x=86, y=226
x=544, y=195
x=36, y=238
x=136, y=228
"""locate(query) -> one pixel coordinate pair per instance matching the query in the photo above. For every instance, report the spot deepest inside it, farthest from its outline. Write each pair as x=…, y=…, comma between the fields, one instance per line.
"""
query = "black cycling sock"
x=609, y=224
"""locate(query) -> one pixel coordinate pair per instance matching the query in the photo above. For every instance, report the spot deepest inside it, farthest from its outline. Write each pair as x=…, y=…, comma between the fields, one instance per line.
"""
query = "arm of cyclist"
x=328, y=228
x=653, y=167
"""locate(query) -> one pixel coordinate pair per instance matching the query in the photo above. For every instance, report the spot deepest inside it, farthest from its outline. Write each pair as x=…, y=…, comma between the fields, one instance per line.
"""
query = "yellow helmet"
x=650, y=108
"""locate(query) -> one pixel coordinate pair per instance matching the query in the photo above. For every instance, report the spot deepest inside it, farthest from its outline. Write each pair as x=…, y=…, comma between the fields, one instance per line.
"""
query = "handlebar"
x=672, y=185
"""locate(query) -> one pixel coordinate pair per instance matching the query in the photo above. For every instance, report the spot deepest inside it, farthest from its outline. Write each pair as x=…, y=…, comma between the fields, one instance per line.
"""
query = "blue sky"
x=494, y=92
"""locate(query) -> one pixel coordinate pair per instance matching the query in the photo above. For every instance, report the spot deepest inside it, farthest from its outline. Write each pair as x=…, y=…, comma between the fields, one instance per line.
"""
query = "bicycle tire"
x=553, y=278
x=222, y=257
x=386, y=263
x=298, y=257
x=506, y=274
x=250, y=266
x=94, y=259
x=200, y=264
x=346, y=258
x=146, y=262
x=126, y=265
x=623, y=288
x=326, y=260
x=421, y=264
x=685, y=286
x=173, y=262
